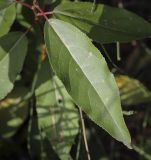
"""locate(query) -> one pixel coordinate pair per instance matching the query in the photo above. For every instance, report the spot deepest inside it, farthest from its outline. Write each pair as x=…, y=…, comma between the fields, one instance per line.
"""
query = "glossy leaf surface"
x=103, y=23
x=85, y=74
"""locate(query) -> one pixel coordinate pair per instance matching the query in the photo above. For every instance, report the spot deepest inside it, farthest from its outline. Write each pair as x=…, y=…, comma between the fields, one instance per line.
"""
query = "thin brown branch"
x=84, y=134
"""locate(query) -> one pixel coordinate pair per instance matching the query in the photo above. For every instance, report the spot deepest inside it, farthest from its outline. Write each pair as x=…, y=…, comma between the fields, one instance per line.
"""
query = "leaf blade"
x=7, y=17
x=57, y=115
x=104, y=24
x=5, y=3
x=84, y=73
x=11, y=59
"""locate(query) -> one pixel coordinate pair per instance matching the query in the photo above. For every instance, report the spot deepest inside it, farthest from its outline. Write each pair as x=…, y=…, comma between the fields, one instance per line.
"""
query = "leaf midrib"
x=68, y=48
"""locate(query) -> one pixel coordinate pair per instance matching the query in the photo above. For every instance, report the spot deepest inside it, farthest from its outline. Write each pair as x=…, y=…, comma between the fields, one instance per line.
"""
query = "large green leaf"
x=103, y=23
x=13, y=47
x=7, y=17
x=5, y=3
x=57, y=117
x=86, y=76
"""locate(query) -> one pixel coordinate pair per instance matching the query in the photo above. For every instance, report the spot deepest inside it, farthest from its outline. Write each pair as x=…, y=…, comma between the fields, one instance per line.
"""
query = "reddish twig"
x=35, y=8
x=40, y=10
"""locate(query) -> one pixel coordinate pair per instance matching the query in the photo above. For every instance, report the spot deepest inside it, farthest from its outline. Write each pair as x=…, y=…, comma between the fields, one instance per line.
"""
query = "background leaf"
x=57, y=117
x=13, y=47
x=7, y=17
x=132, y=91
x=85, y=74
x=103, y=23
x=13, y=112
x=5, y=3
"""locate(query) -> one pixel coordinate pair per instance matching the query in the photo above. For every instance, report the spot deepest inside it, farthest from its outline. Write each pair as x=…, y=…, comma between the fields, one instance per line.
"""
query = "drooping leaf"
x=5, y=3
x=103, y=23
x=13, y=47
x=57, y=117
x=132, y=91
x=7, y=17
x=85, y=74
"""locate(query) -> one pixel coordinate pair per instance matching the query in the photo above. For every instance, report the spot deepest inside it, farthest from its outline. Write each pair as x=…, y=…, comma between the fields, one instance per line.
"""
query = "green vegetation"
x=74, y=80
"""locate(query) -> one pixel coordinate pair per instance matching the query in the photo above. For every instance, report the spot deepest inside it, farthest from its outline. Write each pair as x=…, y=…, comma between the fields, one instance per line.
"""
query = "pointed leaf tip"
x=84, y=72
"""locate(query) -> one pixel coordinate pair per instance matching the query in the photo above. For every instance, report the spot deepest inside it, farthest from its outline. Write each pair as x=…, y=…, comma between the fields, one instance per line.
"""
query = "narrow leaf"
x=7, y=17
x=13, y=47
x=103, y=23
x=85, y=74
